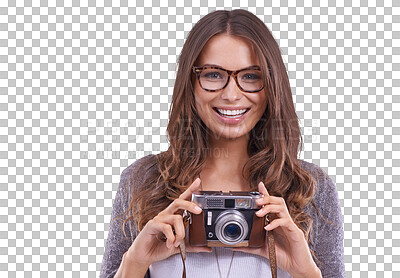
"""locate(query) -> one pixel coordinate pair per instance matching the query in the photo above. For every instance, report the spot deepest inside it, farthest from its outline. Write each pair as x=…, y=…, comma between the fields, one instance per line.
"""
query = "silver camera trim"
x=232, y=217
x=201, y=197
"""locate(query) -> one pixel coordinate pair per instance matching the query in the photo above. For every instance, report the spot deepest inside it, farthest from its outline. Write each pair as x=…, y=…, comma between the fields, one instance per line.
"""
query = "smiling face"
x=229, y=113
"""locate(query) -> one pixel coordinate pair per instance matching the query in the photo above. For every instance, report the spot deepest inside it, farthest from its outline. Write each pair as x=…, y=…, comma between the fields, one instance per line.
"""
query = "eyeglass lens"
x=216, y=79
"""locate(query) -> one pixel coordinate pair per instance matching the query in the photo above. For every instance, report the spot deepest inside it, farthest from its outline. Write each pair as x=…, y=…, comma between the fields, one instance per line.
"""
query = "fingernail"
x=177, y=244
x=267, y=227
x=197, y=209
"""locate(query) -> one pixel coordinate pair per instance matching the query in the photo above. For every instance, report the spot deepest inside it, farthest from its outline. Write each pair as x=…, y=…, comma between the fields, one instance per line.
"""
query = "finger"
x=262, y=189
x=180, y=204
x=176, y=222
x=281, y=222
x=166, y=229
x=192, y=188
x=278, y=209
x=270, y=200
x=295, y=234
x=179, y=229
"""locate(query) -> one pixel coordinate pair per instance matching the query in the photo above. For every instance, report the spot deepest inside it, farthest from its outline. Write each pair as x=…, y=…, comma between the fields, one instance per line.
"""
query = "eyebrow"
x=214, y=65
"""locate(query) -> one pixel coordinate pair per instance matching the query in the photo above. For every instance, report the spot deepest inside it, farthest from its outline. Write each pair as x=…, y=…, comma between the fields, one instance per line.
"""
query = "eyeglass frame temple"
x=197, y=71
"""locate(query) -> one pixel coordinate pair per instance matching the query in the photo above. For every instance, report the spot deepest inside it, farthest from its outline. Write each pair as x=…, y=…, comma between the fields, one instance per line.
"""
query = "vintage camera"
x=228, y=219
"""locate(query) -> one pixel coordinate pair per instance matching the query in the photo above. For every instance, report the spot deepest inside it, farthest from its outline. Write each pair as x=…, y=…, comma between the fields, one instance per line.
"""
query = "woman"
x=232, y=127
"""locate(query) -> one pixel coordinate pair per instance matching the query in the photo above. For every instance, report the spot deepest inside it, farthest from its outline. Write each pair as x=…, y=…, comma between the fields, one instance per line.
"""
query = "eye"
x=250, y=77
x=212, y=75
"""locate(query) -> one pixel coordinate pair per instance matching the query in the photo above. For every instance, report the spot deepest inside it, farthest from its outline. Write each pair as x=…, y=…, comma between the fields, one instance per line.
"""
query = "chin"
x=229, y=135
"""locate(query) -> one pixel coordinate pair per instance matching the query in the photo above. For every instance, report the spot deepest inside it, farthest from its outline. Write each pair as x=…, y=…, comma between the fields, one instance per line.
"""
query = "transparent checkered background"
x=85, y=88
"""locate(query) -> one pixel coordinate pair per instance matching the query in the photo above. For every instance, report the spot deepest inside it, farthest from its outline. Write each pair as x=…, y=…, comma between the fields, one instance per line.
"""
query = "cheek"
x=198, y=100
x=200, y=106
x=260, y=101
x=202, y=100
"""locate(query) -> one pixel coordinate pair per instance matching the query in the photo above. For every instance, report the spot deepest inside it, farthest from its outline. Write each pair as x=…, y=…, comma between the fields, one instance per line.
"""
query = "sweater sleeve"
x=117, y=244
x=327, y=238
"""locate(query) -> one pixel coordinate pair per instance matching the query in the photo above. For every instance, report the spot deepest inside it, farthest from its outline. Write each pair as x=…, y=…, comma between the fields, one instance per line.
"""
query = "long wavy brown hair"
x=273, y=144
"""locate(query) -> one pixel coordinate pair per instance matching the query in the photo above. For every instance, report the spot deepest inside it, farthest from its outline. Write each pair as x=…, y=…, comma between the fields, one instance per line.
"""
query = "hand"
x=162, y=235
x=292, y=252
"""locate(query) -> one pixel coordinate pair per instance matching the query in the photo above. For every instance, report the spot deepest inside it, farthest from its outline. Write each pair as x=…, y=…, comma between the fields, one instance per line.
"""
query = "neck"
x=223, y=168
x=228, y=155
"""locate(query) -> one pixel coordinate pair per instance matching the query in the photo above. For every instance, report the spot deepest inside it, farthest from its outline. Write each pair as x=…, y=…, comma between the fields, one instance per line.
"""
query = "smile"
x=232, y=114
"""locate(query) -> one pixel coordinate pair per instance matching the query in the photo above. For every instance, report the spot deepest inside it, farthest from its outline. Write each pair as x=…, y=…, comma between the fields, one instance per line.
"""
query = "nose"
x=231, y=92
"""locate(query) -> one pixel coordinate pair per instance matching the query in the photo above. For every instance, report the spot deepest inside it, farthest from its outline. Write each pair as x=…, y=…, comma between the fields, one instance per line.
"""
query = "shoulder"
x=327, y=226
x=326, y=190
x=314, y=170
x=133, y=176
x=320, y=176
x=143, y=164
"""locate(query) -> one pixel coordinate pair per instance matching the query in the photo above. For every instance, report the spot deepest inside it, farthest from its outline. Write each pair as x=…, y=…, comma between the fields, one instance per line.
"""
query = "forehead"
x=228, y=51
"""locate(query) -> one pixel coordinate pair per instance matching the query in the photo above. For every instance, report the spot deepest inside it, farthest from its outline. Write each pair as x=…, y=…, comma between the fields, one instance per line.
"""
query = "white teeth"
x=231, y=112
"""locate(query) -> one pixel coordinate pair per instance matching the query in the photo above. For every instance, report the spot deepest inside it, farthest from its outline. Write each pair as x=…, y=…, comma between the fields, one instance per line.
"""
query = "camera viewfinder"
x=243, y=203
x=230, y=203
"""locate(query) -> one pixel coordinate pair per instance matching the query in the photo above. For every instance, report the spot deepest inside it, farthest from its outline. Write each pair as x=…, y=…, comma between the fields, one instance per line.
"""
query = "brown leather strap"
x=271, y=246
x=272, y=254
x=182, y=246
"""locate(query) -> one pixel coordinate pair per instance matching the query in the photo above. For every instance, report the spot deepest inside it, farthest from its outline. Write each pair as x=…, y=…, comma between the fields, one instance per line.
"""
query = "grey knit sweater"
x=326, y=239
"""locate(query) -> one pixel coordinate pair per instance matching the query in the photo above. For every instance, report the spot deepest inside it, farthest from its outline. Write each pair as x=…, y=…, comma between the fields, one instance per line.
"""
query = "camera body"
x=228, y=220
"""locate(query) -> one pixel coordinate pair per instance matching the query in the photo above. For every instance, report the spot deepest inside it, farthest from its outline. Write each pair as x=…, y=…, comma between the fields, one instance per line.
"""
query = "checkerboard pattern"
x=85, y=88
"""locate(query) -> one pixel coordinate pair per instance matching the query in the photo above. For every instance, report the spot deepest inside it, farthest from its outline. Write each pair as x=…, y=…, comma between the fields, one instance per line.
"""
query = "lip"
x=231, y=107
x=231, y=121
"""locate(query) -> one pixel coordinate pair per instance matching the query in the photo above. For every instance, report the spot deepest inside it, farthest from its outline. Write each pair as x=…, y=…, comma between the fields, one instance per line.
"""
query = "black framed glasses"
x=214, y=78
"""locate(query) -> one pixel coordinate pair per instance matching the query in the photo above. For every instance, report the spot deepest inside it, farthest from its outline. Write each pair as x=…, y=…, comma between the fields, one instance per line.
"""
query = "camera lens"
x=232, y=231
x=231, y=227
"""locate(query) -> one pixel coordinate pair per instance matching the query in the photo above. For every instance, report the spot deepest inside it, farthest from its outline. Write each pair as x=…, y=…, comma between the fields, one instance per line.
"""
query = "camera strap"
x=270, y=242
x=272, y=254
x=182, y=246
